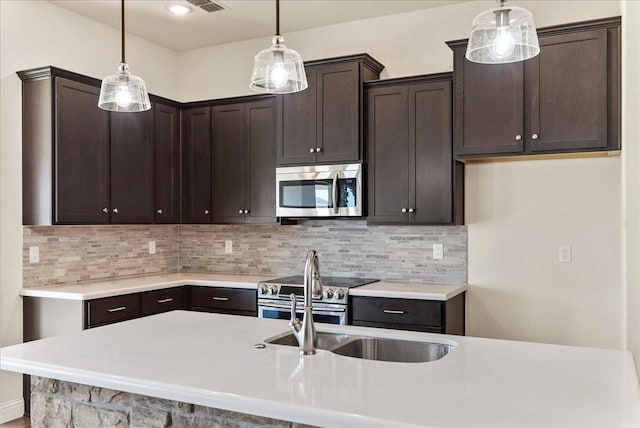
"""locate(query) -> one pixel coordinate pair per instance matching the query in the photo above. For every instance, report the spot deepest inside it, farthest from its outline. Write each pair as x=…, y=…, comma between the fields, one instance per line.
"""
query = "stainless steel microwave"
x=319, y=191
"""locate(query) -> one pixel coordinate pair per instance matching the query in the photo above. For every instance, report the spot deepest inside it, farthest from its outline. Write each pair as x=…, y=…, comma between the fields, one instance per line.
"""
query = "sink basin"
x=326, y=341
x=402, y=351
x=372, y=348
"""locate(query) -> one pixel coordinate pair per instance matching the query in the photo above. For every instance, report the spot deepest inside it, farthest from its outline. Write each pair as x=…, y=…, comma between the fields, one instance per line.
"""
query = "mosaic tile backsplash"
x=71, y=254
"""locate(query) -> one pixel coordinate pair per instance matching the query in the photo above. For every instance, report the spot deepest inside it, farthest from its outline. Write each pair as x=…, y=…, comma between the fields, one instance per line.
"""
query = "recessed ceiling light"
x=178, y=9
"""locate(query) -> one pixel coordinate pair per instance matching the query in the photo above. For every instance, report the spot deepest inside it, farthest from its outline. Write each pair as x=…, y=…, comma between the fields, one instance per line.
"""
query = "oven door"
x=324, y=313
x=319, y=191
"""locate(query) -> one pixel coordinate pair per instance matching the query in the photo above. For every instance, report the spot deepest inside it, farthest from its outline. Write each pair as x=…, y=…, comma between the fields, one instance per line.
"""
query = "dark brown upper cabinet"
x=324, y=123
x=565, y=101
x=167, y=163
x=81, y=164
x=412, y=176
x=196, y=165
x=132, y=167
x=244, y=147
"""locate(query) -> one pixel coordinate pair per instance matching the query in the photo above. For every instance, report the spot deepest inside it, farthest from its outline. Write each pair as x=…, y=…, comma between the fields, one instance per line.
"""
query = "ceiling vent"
x=207, y=5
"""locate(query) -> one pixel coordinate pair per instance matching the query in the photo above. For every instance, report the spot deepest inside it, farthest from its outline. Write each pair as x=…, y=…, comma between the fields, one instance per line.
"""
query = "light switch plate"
x=564, y=253
x=228, y=247
x=152, y=247
x=34, y=254
x=438, y=251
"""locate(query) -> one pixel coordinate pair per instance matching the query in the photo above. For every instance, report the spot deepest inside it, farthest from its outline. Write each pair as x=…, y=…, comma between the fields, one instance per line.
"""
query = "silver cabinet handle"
x=121, y=308
x=240, y=211
x=246, y=211
x=159, y=212
x=115, y=210
x=318, y=149
x=206, y=212
x=105, y=210
x=312, y=150
x=222, y=299
x=335, y=193
x=404, y=210
x=170, y=299
x=518, y=137
x=535, y=136
x=391, y=311
x=411, y=210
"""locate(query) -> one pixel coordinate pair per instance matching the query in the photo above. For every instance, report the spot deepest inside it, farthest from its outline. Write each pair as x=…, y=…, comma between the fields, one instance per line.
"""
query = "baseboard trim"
x=11, y=410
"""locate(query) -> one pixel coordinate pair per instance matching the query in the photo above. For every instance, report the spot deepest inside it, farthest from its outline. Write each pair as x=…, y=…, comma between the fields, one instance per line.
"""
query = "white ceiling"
x=241, y=19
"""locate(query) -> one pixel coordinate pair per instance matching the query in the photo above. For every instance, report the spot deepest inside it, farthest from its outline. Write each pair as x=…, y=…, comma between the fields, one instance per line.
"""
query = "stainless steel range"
x=274, y=299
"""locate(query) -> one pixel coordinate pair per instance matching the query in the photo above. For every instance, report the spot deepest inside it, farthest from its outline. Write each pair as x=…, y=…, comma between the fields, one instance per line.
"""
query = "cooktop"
x=327, y=281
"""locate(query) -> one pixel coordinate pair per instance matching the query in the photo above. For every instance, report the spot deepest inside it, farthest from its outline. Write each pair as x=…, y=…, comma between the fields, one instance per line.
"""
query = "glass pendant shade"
x=502, y=35
x=124, y=92
x=278, y=70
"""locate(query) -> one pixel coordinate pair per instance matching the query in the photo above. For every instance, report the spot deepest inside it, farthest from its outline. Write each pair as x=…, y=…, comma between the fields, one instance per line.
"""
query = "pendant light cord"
x=277, y=17
x=122, y=29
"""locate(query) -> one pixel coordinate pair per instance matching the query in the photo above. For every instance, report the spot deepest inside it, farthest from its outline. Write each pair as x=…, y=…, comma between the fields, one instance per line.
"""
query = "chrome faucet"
x=305, y=332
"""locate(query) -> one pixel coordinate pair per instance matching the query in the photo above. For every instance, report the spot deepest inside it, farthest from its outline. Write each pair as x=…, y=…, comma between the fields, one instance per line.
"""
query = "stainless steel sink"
x=372, y=348
x=401, y=351
x=326, y=341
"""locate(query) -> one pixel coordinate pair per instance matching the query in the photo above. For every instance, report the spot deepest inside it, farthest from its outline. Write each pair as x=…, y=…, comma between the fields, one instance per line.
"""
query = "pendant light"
x=123, y=91
x=503, y=34
x=278, y=70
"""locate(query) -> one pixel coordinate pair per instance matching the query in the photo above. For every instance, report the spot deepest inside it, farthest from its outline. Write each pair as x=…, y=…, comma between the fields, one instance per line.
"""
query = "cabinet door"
x=388, y=149
x=567, y=93
x=81, y=155
x=196, y=168
x=230, y=172
x=299, y=115
x=167, y=168
x=338, y=113
x=263, y=133
x=132, y=167
x=430, y=140
x=489, y=111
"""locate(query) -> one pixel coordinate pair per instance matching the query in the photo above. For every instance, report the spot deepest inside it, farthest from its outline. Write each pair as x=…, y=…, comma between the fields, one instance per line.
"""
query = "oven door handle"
x=335, y=193
x=288, y=308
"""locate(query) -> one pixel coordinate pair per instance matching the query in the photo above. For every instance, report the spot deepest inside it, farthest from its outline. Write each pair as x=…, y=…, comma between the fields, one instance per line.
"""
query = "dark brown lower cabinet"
x=165, y=300
x=431, y=316
x=234, y=301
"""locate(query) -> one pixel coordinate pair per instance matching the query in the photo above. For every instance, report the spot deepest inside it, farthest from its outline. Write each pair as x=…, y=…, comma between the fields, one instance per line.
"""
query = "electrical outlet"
x=152, y=247
x=438, y=251
x=34, y=254
x=564, y=253
x=228, y=247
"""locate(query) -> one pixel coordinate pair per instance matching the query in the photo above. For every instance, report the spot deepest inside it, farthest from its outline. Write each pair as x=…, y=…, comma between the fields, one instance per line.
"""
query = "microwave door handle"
x=335, y=193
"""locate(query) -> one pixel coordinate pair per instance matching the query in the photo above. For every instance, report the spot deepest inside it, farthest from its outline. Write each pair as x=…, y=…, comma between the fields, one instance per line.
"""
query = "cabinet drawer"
x=112, y=309
x=225, y=300
x=157, y=301
x=397, y=311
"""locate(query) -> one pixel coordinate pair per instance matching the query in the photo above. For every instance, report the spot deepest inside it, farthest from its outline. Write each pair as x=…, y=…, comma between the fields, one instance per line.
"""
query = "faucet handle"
x=295, y=322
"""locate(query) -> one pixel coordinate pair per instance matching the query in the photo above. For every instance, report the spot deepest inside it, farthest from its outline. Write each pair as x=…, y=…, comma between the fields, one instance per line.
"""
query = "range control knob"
x=339, y=294
x=273, y=290
x=328, y=293
x=263, y=289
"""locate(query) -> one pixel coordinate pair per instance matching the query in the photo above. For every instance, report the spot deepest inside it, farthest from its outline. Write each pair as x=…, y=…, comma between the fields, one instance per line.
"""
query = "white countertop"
x=115, y=287
x=208, y=359
x=401, y=290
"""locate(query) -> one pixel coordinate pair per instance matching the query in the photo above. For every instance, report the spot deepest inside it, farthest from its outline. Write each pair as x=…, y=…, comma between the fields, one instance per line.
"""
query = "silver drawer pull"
x=223, y=299
x=170, y=299
x=121, y=308
x=391, y=311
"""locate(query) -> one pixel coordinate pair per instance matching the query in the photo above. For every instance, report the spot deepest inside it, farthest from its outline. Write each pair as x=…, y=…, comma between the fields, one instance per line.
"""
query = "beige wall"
x=33, y=34
x=518, y=290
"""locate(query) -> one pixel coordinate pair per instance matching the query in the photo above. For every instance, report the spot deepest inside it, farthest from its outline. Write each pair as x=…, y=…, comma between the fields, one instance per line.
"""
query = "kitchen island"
x=209, y=360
